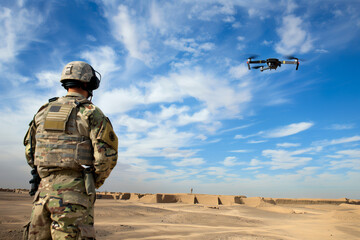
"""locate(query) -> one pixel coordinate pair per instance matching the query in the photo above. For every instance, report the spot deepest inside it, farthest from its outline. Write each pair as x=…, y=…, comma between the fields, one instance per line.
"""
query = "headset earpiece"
x=94, y=81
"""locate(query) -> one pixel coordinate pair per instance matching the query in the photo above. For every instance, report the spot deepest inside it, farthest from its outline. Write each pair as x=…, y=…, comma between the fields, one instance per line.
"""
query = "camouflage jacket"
x=90, y=123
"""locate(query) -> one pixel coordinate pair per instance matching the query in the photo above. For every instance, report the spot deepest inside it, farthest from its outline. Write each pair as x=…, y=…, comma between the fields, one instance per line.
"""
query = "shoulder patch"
x=108, y=135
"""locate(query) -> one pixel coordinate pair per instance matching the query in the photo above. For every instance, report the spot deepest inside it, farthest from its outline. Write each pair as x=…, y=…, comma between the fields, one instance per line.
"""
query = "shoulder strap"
x=53, y=99
x=80, y=102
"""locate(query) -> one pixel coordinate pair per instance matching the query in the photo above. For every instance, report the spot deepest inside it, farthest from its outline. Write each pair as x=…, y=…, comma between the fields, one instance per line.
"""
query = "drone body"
x=271, y=63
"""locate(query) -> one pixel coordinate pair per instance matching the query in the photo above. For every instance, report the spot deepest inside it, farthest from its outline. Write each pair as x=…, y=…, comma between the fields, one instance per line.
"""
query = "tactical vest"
x=58, y=142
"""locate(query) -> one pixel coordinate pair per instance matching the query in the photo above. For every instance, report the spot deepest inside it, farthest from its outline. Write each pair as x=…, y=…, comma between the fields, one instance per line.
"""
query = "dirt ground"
x=122, y=219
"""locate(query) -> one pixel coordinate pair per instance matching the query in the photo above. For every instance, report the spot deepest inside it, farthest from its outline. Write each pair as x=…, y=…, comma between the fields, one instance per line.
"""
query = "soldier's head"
x=80, y=75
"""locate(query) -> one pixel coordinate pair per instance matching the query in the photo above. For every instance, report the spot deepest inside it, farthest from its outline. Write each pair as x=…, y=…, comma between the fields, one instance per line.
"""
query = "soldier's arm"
x=29, y=143
x=105, y=144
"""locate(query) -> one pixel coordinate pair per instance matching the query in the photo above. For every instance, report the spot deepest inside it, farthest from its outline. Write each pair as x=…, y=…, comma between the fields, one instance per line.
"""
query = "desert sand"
x=200, y=216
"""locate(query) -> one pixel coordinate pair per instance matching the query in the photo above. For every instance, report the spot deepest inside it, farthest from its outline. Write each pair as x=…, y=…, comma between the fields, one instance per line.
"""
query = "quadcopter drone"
x=272, y=63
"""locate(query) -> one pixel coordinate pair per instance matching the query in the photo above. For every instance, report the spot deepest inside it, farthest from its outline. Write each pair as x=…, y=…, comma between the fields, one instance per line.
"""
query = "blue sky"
x=187, y=111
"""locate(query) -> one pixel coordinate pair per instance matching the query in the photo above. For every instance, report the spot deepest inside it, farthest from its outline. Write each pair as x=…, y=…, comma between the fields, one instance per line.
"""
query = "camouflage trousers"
x=62, y=209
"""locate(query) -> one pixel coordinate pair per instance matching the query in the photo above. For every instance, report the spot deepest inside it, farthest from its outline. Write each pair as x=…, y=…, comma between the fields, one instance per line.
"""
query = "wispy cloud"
x=103, y=59
x=127, y=32
x=288, y=130
x=47, y=79
x=189, y=45
x=342, y=126
x=189, y=162
x=256, y=141
x=231, y=161
x=349, y=159
x=240, y=151
x=240, y=71
x=337, y=141
x=281, y=159
x=286, y=145
x=293, y=38
x=19, y=30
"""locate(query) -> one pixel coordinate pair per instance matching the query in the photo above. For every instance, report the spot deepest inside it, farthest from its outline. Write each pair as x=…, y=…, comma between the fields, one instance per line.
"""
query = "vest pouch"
x=89, y=181
x=84, y=154
x=76, y=198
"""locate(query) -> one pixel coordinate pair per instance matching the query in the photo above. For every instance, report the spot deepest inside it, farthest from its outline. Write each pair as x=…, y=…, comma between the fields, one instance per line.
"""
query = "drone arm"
x=258, y=61
x=288, y=62
x=292, y=62
x=264, y=68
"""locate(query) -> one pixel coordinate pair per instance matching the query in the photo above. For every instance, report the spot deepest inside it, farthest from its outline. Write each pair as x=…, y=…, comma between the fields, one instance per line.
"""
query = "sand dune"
x=201, y=216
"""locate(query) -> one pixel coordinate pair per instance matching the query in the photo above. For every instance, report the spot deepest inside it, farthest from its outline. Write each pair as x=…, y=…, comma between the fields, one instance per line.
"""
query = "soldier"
x=74, y=148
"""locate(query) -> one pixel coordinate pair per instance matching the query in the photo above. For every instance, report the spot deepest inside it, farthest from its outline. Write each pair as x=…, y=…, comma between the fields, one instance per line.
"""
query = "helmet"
x=80, y=74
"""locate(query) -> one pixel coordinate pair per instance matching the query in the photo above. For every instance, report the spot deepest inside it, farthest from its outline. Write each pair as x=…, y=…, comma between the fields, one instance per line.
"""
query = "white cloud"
x=321, y=50
x=239, y=136
x=189, y=162
x=236, y=128
x=216, y=93
x=120, y=100
x=240, y=38
x=281, y=159
x=201, y=116
x=102, y=59
x=189, y=45
x=353, y=153
x=349, y=159
x=342, y=126
x=134, y=124
x=308, y=171
x=157, y=17
x=209, y=11
x=179, y=153
x=324, y=143
x=231, y=161
x=91, y=38
x=48, y=79
x=126, y=31
x=290, y=6
x=238, y=72
x=288, y=130
x=156, y=143
x=217, y=171
x=252, y=168
x=353, y=164
x=17, y=31
x=256, y=141
x=293, y=38
x=286, y=145
x=239, y=151
x=254, y=165
x=255, y=162
x=267, y=43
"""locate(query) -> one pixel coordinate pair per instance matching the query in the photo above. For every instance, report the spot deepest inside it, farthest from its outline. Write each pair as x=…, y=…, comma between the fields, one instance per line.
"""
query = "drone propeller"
x=290, y=57
x=257, y=67
x=253, y=56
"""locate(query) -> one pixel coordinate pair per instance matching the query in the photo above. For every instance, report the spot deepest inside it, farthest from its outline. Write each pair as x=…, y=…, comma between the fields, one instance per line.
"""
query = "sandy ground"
x=122, y=219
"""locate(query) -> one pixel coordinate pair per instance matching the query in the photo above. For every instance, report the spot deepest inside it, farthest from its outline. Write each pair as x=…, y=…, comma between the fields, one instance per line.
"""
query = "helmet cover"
x=77, y=70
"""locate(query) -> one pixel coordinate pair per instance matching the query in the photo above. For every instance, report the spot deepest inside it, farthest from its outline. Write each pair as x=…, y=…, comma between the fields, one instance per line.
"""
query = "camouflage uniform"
x=65, y=134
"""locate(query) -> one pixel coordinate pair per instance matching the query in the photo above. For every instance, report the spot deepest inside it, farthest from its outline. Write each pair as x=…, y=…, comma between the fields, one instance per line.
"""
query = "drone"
x=272, y=63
